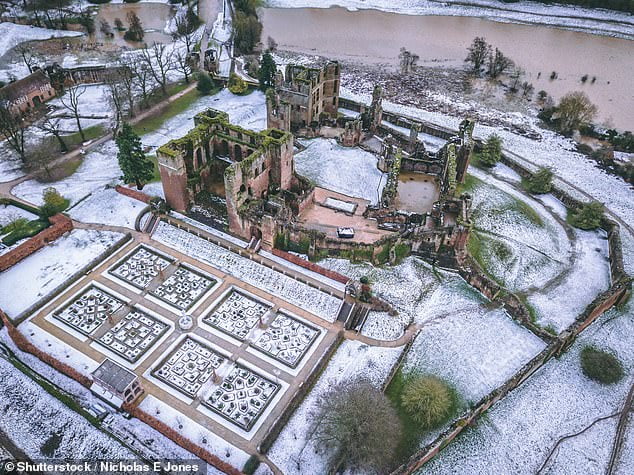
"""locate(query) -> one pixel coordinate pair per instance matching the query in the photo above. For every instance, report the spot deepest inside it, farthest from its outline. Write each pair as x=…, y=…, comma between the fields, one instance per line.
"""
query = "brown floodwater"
x=375, y=37
x=153, y=16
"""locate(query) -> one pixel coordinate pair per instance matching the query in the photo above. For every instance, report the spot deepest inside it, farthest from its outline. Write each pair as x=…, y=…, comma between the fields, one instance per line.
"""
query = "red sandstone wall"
x=25, y=345
x=136, y=194
x=310, y=266
x=60, y=224
x=187, y=444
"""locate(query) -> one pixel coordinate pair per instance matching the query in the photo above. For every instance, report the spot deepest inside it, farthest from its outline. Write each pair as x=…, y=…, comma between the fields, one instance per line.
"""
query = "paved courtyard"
x=233, y=372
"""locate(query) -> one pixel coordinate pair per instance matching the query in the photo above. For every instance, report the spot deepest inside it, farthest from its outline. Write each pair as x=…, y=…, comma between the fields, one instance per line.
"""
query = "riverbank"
x=372, y=38
x=595, y=21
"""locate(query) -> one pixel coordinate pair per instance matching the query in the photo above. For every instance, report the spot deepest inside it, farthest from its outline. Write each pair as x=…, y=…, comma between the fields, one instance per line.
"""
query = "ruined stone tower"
x=465, y=149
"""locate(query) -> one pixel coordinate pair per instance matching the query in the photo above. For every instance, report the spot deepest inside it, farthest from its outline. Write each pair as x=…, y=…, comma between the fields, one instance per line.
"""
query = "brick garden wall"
x=310, y=266
x=60, y=224
x=136, y=194
x=25, y=345
x=177, y=438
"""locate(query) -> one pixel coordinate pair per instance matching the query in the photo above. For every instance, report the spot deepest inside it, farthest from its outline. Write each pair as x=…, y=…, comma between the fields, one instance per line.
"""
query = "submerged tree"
x=478, y=53
x=135, y=166
x=135, y=28
x=574, y=111
x=359, y=426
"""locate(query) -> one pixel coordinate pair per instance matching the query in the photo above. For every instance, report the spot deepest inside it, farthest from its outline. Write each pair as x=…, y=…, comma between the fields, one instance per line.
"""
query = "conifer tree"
x=135, y=166
x=268, y=68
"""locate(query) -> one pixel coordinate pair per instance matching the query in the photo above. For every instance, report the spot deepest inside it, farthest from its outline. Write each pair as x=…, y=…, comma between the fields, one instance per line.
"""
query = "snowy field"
x=476, y=350
x=596, y=21
x=107, y=206
x=43, y=427
x=347, y=170
x=518, y=432
x=93, y=106
x=287, y=288
x=523, y=245
x=42, y=272
x=10, y=213
x=294, y=452
x=13, y=34
x=560, y=304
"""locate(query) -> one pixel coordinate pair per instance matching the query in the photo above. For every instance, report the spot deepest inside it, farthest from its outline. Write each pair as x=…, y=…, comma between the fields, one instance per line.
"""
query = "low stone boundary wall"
x=305, y=387
x=182, y=441
x=136, y=194
x=310, y=266
x=60, y=224
x=25, y=345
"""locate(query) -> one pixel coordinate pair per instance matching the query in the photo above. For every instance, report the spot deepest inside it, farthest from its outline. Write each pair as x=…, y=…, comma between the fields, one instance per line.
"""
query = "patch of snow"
x=107, y=206
x=42, y=272
x=556, y=401
x=351, y=171
x=13, y=34
x=10, y=213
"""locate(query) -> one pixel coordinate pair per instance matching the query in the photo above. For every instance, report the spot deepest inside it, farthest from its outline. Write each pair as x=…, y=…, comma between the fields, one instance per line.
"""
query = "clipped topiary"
x=428, y=400
x=601, y=366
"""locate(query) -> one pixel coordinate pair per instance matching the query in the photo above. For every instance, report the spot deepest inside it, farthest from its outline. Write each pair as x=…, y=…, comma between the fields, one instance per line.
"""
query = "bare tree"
x=574, y=111
x=357, y=423
x=159, y=59
x=115, y=94
x=142, y=79
x=12, y=127
x=185, y=28
x=183, y=64
x=527, y=90
x=52, y=126
x=29, y=57
x=71, y=102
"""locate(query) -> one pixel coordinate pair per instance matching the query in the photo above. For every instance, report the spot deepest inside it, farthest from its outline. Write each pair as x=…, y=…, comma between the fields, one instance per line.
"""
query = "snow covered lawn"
x=560, y=304
x=520, y=243
x=39, y=274
x=43, y=427
x=246, y=111
x=107, y=206
x=518, y=432
x=347, y=170
x=99, y=168
x=287, y=288
x=294, y=452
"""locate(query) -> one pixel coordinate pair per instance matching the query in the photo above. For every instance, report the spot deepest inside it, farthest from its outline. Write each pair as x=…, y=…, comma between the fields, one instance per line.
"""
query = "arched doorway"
x=237, y=153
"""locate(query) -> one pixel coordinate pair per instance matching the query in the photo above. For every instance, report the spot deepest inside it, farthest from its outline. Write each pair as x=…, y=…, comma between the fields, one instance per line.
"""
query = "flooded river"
x=153, y=16
x=375, y=37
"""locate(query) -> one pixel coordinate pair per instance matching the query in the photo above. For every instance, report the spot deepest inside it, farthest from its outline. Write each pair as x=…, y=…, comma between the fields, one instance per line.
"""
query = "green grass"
x=525, y=210
x=153, y=123
x=477, y=247
x=91, y=133
x=469, y=185
x=31, y=229
x=156, y=175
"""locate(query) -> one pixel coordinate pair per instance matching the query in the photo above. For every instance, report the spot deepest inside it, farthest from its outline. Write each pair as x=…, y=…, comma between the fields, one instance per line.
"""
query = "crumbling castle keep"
x=253, y=173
